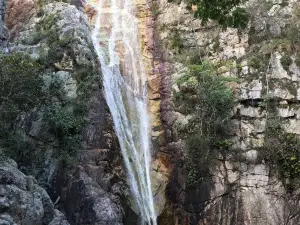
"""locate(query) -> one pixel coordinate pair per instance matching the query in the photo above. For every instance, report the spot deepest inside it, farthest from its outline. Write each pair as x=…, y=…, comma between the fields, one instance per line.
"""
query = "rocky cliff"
x=68, y=143
x=244, y=186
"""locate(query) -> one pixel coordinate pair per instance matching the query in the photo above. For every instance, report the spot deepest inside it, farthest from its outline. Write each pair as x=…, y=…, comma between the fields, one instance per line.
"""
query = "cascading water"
x=115, y=38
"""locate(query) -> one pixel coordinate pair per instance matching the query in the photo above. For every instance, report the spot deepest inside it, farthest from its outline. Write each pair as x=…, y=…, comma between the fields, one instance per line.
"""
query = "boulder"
x=23, y=201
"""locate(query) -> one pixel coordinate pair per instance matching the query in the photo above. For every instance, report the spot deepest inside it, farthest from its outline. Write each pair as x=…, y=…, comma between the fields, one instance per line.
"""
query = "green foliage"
x=216, y=45
x=154, y=7
x=66, y=126
x=297, y=60
x=286, y=61
x=21, y=86
x=209, y=97
x=47, y=30
x=200, y=158
x=176, y=42
x=44, y=29
x=21, y=90
x=41, y=3
x=267, y=5
x=205, y=95
x=225, y=12
x=284, y=3
x=17, y=146
x=259, y=61
x=283, y=150
x=61, y=119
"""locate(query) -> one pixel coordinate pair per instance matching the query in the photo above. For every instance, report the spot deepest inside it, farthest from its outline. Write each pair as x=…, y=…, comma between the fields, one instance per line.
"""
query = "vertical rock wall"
x=244, y=190
x=93, y=190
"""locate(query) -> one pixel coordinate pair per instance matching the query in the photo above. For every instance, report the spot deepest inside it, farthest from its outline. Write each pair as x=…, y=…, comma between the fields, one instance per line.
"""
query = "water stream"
x=116, y=40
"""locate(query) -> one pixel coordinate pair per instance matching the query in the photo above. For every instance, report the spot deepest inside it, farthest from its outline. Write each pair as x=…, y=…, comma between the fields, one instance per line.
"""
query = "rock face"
x=23, y=201
x=89, y=203
x=17, y=16
x=60, y=68
x=58, y=36
x=244, y=190
x=2, y=27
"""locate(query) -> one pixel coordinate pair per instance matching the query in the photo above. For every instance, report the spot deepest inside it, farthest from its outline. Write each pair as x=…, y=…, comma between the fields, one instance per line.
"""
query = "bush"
x=286, y=61
x=285, y=156
x=21, y=91
x=297, y=60
x=225, y=12
x=176, y=42
x=200, y=158
x=21, y=86
x=205, y=95
x=210, y=99
x=259, y=62
x=66, y=125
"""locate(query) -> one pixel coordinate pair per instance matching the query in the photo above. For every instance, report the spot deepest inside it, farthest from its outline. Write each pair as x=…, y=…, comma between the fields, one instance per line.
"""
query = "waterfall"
x=116, y=40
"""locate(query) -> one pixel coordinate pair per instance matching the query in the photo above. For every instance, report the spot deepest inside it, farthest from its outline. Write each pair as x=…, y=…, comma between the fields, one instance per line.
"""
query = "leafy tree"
x=225, y=12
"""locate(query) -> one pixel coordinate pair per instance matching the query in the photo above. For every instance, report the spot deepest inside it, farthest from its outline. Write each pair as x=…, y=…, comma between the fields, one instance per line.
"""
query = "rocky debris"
x=23, y=201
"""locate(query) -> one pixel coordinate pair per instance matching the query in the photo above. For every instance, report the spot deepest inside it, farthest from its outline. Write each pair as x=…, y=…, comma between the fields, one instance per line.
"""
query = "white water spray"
x=115, y=38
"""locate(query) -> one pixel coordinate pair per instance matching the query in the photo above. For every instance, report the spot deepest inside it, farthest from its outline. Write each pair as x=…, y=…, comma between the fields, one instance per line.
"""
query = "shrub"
x=66, y=125
x=154, y=7
x=285, y=156
x=176, y=42
x=205, y=95
x=286, y=61
x=21, y=91
x=297, y=60
x=21, y=85
x=211, y=99
x=225, y=12
x=200, y=158
x=259, y=61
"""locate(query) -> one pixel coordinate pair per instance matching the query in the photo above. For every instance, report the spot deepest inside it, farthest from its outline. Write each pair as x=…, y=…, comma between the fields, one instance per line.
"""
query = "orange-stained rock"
x=154, y=82
x=18, y=13
x=147, y=42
